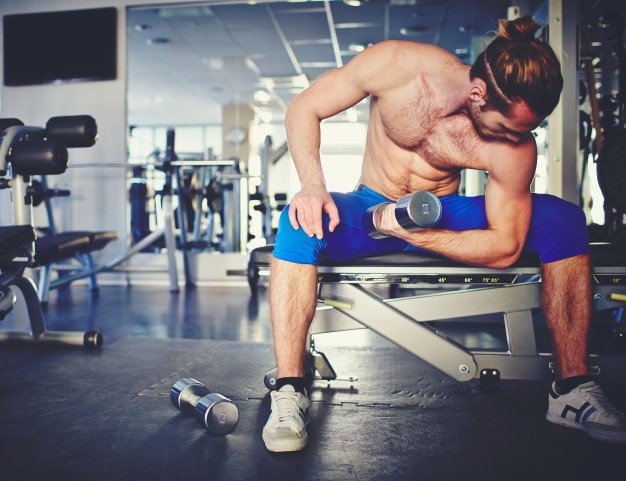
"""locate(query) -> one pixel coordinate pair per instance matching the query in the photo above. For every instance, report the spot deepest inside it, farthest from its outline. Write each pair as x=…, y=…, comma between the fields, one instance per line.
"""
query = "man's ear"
x=478, y=92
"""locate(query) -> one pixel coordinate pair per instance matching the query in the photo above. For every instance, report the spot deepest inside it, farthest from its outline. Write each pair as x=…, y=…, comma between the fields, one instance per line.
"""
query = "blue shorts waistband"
x=366, y=190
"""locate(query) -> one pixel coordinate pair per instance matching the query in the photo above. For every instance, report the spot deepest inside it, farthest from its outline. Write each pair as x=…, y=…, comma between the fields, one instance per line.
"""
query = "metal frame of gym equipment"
x=167, y=231
x=173, y=186
x=85, y=258
x=513, y=292
x=23, y=215
x=269, y=157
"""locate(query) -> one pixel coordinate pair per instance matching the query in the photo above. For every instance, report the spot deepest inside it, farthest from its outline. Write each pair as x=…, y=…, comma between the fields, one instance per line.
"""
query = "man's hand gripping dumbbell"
x=416, y=211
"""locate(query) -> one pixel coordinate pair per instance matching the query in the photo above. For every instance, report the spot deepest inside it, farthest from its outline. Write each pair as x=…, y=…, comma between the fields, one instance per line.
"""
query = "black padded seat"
x=13, y=239
x=97, y=240
x=58, y=247
x=101, y=239
x=602, y=255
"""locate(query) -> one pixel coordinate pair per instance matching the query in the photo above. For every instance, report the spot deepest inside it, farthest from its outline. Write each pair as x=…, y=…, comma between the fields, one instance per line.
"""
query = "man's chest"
x=445, y=143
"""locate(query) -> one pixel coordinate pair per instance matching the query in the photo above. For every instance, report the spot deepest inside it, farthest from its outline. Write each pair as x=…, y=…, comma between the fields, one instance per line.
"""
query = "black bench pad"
x=14, y=238
x=58, y=247
x=602, y=255
x=97, y=240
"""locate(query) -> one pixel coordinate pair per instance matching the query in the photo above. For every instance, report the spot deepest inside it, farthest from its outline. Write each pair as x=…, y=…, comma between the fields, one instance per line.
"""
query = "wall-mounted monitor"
x=52, y=47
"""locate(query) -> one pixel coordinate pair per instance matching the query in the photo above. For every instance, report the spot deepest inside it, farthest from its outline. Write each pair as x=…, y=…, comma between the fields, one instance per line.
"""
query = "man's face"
x=510, y=127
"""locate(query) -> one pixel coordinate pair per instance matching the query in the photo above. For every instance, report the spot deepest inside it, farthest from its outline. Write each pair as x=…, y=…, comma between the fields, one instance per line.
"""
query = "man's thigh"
x=348, y=240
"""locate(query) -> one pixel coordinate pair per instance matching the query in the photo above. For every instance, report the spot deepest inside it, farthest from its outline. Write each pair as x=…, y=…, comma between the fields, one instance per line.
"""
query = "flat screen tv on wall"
x=52, y=47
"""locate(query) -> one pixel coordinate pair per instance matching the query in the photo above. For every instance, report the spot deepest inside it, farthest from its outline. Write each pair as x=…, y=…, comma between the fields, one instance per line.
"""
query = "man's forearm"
x=487, y=248
x=303, y=138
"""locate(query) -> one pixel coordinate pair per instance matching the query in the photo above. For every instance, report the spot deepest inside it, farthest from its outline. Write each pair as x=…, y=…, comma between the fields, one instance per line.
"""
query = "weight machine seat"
x=102, y=238
x=13, y=239
x=97, y=240
x=58, y=247
x=602, y=255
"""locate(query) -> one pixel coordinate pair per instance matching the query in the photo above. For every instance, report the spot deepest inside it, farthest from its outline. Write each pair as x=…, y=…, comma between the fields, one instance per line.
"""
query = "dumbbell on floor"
x=415, y=211
x=216, y=413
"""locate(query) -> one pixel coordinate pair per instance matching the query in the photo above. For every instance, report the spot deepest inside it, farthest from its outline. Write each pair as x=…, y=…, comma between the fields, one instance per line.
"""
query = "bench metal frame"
x=402, y=320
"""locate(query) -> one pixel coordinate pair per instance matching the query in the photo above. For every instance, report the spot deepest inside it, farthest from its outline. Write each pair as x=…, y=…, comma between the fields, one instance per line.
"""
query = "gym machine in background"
x=268, y=206
x=210, y=197
x=170, y=229
x=24, y=152
x=216, y=200
x=72, y=271
x=602, y=87
x=602, y=132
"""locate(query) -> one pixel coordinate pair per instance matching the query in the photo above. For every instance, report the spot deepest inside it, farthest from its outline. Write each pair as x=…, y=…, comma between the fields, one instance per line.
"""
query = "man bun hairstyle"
x=522, y=30
x=517, y=66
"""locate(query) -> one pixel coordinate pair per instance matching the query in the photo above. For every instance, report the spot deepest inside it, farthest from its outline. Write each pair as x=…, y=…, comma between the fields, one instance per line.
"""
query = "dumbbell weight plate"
x=217, y=414
x=418, y=210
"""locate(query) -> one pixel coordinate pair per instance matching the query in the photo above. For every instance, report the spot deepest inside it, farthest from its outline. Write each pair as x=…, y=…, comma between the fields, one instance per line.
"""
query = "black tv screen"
x=52, y=47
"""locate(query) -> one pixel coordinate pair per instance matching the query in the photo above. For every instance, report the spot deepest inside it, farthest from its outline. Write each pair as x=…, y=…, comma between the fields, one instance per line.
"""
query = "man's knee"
x=294, y=245
x=562, y=228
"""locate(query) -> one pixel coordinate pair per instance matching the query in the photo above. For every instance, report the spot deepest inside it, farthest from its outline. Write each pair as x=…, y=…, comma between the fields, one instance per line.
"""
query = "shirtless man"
x=430, y=117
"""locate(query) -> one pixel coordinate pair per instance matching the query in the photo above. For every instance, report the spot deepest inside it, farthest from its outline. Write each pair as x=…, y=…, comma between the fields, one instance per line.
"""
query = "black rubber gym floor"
x=76, y=415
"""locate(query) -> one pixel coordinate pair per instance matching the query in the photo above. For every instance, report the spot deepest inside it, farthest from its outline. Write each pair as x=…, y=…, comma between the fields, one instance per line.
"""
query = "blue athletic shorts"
x=558, y=229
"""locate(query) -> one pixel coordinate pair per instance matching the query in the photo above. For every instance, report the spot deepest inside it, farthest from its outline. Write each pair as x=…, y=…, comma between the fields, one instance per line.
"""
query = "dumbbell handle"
x=193, y=399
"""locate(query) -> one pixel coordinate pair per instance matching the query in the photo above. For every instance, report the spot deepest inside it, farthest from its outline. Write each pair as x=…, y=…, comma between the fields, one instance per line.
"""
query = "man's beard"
x=475, y=115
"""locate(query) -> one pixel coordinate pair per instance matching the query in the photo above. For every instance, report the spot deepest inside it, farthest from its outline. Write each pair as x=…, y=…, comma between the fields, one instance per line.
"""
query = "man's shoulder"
x=424, y=53
x=511, y=160
x=414, y=63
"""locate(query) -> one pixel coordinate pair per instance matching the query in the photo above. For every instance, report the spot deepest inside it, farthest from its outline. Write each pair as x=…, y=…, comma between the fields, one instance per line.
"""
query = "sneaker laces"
x=285, y=405
x=595, y=392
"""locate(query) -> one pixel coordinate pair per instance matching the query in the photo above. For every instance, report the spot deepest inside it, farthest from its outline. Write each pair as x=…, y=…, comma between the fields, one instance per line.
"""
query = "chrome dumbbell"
x=216, y=413
x=415, y=211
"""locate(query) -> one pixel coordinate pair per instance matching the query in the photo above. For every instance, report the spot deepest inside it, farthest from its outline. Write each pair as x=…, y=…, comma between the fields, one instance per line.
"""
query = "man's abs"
x=394, y=170
x=394, y=180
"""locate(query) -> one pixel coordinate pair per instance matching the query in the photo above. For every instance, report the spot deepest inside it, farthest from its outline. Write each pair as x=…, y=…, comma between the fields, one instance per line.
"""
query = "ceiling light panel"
x=300, y=27
x=298, y=7
x=362, y=36
x=314, y=53
x=275, y=66
x=372, y=12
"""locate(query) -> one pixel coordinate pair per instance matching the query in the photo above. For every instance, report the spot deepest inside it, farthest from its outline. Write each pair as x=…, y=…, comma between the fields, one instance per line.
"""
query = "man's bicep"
x=509, y=210
x=331, y=94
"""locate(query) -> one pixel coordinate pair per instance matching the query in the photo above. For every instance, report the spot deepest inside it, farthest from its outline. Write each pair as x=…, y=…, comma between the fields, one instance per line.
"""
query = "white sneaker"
x=586, y=408
x=286, y=428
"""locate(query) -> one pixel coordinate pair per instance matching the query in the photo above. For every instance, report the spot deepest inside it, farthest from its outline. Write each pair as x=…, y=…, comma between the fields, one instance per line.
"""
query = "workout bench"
x=514, y=292
x=24, y=152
